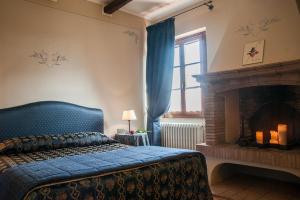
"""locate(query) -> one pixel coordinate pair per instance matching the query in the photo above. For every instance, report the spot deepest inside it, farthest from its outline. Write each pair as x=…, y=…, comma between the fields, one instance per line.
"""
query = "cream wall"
x=226, y=44
x=104, y=60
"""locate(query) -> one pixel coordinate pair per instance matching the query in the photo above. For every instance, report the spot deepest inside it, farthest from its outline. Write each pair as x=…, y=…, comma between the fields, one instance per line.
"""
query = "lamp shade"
x=128, y=115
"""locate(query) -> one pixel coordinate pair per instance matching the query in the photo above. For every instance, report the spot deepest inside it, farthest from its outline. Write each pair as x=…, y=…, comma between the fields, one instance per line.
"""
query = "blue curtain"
x=159, y=74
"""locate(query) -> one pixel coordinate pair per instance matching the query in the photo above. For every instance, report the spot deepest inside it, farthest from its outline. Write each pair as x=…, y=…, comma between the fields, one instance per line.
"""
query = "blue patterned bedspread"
x=17, y=181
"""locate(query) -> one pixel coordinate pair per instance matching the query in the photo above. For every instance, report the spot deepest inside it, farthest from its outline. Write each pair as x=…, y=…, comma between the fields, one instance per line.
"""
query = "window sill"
x=182, y=120
x=194, y=115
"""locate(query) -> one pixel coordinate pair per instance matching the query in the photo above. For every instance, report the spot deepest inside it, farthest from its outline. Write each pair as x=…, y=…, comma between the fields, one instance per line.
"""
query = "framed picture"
x=253, y=52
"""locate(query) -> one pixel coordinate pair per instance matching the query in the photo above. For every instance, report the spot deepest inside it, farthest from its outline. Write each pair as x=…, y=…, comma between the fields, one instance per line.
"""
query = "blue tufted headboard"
x=48, y=117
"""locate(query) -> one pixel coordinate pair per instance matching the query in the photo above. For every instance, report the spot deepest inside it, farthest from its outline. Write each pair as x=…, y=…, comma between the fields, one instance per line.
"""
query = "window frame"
x=201, y=36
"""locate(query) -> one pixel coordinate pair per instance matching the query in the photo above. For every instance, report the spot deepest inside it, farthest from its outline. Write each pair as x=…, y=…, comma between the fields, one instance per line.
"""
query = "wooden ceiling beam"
x=115, y=5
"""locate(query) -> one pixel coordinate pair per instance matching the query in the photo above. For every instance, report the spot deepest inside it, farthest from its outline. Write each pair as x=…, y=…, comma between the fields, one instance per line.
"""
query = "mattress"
x=93, y=166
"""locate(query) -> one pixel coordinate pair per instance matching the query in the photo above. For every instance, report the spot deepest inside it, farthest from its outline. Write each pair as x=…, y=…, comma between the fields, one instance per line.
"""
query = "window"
x=189, y=60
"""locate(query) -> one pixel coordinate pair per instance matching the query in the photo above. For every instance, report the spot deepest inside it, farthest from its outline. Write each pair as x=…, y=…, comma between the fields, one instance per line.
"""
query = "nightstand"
x=136, y=139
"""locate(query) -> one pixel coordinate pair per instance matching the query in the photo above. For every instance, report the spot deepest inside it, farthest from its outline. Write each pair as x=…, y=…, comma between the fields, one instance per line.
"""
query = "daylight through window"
x=189, y=60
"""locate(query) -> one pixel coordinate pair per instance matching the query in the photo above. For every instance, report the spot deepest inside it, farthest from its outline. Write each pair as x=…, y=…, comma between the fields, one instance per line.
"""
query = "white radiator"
x=182, y=135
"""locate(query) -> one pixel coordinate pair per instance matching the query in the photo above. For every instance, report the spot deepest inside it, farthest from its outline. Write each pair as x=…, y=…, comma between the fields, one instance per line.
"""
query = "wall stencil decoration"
x=133, y=35
x=253, y=52
x=246, y=30
x=49, y=59
x=265, y=23
x=254, y=29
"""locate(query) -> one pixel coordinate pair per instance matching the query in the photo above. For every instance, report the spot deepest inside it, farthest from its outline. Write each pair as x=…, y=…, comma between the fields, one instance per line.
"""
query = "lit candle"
x=282, y=134
x=274, y=137
x=259, y=137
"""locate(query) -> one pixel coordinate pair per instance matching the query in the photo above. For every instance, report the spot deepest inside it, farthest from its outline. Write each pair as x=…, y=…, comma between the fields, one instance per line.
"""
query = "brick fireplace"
x=238, y=102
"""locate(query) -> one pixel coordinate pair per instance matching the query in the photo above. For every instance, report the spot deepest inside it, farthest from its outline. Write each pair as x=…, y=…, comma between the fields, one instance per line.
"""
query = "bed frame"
x=48, y=117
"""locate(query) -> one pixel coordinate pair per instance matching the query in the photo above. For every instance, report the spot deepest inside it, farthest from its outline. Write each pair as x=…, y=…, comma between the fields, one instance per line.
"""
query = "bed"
x=56, y=150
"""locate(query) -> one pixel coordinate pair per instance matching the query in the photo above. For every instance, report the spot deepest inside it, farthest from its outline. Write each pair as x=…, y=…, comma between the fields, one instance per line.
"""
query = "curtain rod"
x=207, y=3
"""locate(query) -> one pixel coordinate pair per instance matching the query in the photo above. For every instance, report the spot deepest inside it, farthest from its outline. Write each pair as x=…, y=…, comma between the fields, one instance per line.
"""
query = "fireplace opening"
x=234, y=181
x=225, y=171
x=270, y=116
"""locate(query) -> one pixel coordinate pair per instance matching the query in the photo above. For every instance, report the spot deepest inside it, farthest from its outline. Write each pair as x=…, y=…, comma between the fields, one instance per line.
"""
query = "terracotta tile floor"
x=243, y=187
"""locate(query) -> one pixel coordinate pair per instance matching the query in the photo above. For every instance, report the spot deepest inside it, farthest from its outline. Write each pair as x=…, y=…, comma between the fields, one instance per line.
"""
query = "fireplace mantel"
x=284, y=73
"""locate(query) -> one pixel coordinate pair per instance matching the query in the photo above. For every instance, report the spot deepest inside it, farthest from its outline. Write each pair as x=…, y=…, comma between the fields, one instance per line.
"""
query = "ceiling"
x=154, y=9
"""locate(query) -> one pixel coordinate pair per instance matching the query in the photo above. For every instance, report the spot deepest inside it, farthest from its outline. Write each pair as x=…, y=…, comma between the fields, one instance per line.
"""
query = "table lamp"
x=128, y=115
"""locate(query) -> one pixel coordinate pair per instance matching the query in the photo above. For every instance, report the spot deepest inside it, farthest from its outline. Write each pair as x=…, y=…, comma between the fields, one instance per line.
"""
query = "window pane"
x=192, y=52
x=191, y=70
x=175, y=101
x=193, y=99
x=176, y=57
x=176, y=78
